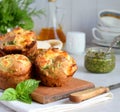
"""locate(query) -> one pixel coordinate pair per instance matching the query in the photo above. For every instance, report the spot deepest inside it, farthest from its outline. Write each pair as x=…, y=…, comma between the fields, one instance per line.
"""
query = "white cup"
x=109, y=18
x=75, y=42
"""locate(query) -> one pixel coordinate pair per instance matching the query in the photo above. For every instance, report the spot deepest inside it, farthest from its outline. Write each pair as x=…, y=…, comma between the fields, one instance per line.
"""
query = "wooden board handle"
x=87, y=94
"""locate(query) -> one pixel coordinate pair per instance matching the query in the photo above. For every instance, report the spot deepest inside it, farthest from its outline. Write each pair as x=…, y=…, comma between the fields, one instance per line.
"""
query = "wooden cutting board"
x=45, y=94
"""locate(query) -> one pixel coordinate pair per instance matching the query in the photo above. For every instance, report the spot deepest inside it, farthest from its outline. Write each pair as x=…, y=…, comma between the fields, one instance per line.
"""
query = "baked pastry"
x=19, y=41
x=54, y=67
x=14, y=68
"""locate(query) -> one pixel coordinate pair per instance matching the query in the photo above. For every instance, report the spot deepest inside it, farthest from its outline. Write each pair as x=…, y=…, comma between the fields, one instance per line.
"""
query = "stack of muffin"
x=20, y=60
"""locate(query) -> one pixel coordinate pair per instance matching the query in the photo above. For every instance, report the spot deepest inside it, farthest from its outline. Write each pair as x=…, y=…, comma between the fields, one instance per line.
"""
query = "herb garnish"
x=21, y=92
x=17, y=13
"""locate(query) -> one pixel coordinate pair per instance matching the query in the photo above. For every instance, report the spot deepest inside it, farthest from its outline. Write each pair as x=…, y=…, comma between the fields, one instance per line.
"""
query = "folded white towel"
x=43, y=45
x=58, y=106
x=53, y=43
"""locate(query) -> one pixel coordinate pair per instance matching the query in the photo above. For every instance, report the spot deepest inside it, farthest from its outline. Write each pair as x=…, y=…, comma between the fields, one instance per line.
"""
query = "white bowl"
x=102, y=35
x=110, y=18
x=108, y=29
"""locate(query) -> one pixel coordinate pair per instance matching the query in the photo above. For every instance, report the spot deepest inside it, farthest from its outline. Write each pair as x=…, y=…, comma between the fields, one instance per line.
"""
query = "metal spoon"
x=115, y=40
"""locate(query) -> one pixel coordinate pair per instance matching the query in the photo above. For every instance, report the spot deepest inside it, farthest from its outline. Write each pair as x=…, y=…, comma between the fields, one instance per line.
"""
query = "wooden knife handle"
x=87, y=94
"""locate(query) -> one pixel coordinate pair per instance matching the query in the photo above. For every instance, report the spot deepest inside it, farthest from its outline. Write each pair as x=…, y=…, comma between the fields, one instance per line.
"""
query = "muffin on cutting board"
x=14, y=68
x=54, y=67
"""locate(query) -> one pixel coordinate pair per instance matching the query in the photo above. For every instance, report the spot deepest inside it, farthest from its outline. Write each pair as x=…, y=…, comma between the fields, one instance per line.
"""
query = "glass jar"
x=53, y=30
x=98, y=61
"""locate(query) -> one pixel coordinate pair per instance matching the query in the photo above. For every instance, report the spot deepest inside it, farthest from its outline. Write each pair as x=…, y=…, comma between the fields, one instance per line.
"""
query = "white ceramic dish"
x=107, y=28
x=104, y=35
x=104, y=43
x=115, y=48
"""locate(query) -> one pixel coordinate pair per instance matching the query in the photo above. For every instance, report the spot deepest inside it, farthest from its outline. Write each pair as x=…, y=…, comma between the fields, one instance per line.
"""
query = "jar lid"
x=51, y=0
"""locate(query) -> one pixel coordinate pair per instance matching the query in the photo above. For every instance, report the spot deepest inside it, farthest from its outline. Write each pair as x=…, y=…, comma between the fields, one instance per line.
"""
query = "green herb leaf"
x=27, y=86
x=25, y=98
x=22, y=91
x=9, y=94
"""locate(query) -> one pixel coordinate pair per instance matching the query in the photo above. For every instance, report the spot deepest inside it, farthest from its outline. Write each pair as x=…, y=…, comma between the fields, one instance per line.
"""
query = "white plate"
x=103, y=43
x=116, y=48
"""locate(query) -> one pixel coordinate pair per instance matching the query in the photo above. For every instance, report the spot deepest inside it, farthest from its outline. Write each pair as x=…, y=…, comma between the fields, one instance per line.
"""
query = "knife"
x=90, y=93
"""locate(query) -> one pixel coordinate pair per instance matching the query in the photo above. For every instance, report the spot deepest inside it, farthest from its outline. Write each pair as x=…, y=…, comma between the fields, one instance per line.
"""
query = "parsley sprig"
x=21, y=92
x=17, y=13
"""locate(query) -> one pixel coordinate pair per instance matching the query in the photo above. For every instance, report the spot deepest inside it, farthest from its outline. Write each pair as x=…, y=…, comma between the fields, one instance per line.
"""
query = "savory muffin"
x=54, y=67
x=14, y=68
x=19, y=41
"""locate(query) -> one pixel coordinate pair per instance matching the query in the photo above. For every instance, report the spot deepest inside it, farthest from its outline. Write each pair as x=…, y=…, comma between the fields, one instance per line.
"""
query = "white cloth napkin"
x=53, y=43
x=58, y=106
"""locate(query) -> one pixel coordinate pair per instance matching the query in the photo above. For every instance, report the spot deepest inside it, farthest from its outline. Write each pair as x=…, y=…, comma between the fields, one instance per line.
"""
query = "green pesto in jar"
x=98, y=61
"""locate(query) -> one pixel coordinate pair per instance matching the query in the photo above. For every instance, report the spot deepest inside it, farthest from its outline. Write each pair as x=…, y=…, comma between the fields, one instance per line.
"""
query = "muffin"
x=54, y=67
x=14, y=68
x=19, y=41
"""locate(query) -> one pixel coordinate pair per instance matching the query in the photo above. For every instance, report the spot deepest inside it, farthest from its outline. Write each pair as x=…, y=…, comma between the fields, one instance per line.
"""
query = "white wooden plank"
x=84, y=16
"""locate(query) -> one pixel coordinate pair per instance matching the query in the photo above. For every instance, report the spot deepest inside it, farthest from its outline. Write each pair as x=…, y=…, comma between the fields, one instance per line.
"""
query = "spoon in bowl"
x=115, y=40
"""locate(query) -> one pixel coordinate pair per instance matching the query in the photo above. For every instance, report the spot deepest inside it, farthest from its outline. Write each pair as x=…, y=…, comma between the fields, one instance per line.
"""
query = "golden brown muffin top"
x=56, y=62
x=18, y=37
x=14, y=63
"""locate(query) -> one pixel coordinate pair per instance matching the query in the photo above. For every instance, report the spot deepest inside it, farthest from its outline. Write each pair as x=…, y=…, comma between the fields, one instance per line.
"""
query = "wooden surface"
x=45, y=94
